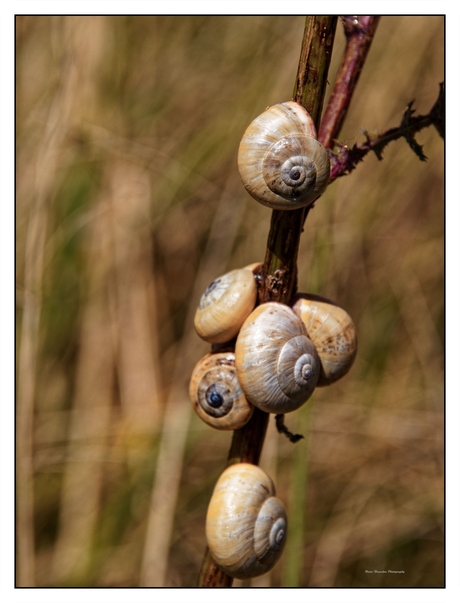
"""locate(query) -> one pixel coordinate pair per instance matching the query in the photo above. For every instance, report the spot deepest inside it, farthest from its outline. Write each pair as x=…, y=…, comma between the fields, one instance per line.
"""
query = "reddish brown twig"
x=359, y=32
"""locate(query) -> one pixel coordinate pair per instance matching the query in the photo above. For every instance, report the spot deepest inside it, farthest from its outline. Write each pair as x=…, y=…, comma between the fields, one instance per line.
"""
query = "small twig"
x=344, y=160
x=281, y=427
x=359, y=32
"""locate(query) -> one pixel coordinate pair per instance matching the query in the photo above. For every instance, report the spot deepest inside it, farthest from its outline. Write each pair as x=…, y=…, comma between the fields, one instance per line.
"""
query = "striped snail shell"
x=216, y=394
x=225, y=304
x=281, y=163
x=333, y=333
x=246, y=525
x=277, y=364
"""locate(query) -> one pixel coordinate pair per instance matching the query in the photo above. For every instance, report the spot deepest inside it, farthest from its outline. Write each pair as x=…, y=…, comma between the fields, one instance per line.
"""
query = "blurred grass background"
x=128, y=204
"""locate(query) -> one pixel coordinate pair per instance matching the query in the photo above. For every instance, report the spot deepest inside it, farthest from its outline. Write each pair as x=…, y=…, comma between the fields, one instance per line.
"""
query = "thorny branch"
x=359, y=32
x=344, y=159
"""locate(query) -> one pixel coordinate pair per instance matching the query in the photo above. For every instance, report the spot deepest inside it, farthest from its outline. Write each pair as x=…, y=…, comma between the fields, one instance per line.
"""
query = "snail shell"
x=277, y=364
x=216, y=394
x=254, y=267
x=281, y=163
x=225, y=304
x=246, y=525
x=332, y=331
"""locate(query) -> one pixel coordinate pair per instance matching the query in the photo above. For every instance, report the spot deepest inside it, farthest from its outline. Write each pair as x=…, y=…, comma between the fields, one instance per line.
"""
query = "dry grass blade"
x=91, y=415
x=134, y=297
x=59, y=120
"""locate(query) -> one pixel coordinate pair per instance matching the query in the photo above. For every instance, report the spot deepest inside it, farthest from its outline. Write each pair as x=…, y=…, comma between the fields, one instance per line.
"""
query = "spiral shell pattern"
x=246, y=524
x=224, y=306
x=277, y=364
x=281, y=163
x=216, y=394
x=333, y=333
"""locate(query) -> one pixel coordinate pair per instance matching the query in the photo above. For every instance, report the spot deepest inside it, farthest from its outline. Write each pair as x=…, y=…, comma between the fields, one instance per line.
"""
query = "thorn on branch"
x=373, y=144
x=281, y=427
x=416, y=147
x=410, y=138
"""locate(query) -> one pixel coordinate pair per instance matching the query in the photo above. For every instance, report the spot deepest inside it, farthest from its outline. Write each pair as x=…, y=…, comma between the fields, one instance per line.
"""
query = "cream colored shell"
x=224, y=306
x=254, y=266
x=281, y=163
x=332, y=331
x=246, y=525
x=277, y=364
x=216, y=394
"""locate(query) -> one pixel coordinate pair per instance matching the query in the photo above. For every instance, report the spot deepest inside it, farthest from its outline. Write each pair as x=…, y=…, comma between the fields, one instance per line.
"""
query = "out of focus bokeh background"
x=128, y=205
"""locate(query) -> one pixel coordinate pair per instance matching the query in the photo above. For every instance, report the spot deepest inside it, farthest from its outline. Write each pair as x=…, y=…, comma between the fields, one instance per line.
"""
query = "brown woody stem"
x=278, y=276
x=279, y=272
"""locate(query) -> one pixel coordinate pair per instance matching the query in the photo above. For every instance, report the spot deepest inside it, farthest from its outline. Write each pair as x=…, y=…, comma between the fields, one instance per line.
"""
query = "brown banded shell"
x=332, y=331
x=224, y=306
x=277, y=364
x=281, y=163
x=216, y=394
x=246, y=524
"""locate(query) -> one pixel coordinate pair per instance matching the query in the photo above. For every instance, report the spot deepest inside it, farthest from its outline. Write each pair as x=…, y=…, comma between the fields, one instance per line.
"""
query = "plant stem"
x=359, y=32
x=279, y=272
x=278, y=276
x=315, y=58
